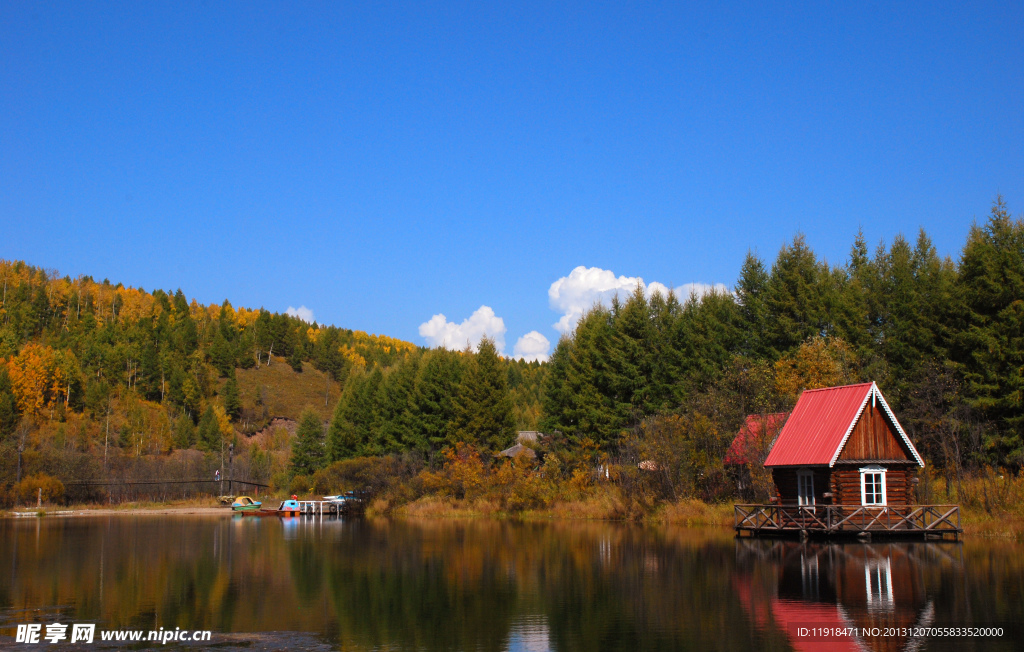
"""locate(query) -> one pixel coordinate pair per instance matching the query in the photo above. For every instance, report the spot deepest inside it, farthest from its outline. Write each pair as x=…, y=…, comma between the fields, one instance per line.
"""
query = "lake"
x=266, y=583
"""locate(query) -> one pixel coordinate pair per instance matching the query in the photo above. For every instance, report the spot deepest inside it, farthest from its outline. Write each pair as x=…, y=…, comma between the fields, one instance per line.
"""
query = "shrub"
x=463, y=474
x=521, y=484
x=29, y=488
x=301, y=485
x=376, y=475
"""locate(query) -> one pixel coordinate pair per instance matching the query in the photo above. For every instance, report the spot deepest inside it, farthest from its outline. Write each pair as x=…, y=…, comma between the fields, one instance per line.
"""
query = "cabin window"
x=872, y=485
x=805, y=487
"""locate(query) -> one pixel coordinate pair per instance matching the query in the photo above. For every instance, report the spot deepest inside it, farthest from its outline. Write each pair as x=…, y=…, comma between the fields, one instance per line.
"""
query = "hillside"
x=277, y=390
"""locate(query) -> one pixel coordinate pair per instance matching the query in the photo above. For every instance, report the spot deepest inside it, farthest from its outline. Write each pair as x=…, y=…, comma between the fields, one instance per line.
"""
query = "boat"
x=287, y=508
x=245, y=504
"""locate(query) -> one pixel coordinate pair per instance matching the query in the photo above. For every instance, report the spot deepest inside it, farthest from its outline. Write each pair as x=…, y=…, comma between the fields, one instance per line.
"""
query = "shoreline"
x=154, y=510
x=692, y=514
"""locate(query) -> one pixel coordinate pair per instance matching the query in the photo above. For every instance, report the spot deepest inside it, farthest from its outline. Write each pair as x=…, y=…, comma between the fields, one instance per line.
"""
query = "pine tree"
x=584, y=408
x=342, y=435
x=707, y=335
x=751, y=289
x=991, y=346
x=222, y=354
x=436, y=385
x=229, y=396
x=308, y=451
x=792, y=298
x=631, y=359
x=184, y=432
x=295, y=359
x=483, y=409
x=8, y=405
x=395, y=409
x=208, y=432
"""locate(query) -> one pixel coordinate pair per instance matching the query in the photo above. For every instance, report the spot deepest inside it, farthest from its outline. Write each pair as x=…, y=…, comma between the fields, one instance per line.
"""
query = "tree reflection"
x=492, y=585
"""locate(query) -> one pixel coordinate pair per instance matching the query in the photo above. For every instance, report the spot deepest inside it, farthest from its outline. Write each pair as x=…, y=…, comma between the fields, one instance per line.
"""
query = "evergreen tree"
x=396, y=409
x=343, y=434
x=707, y=334
x=667, y=360
x=751, y=290
x=631, y=359
x=295, y=358
x=229, y=396
x=222, y=354
x=483, y=409
x=991, y=344
x=184, y=432
x=308, y=451
x=8, y=405
x=438, y=382
x=584, y=408
x=792, y=298
x=208, y=432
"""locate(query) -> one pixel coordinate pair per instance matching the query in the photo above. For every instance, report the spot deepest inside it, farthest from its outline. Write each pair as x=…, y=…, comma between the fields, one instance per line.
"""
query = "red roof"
x=821, y=422
x=751, y=432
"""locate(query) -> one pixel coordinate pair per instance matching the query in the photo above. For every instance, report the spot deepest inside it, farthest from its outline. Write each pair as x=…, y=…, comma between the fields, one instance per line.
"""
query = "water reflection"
x=485, y=585
x=880, y=591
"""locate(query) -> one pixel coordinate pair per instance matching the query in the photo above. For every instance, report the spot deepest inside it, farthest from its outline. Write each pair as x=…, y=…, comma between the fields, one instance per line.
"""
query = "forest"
x=100, y=382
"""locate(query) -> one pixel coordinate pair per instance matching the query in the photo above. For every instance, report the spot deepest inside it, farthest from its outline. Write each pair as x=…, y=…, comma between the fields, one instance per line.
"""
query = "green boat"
x=245, y=504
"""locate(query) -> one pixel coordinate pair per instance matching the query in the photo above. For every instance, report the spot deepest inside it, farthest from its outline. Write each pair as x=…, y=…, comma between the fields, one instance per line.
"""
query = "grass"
x=206, y=501
x=991, y=504
x=693, y=513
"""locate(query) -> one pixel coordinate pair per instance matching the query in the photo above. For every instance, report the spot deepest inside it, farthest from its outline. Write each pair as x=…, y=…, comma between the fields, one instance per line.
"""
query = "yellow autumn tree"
x=818, y=362
x=40, y=377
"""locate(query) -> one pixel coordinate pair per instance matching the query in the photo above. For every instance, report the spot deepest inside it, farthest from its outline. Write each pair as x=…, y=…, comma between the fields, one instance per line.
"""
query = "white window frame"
x=872, y=470
x=802, y=499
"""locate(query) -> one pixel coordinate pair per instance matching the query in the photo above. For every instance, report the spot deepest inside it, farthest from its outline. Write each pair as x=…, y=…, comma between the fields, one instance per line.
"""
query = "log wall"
x=899, y=488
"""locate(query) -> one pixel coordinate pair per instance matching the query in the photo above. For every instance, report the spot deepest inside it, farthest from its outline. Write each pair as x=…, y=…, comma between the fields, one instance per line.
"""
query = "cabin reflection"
x=785, y=585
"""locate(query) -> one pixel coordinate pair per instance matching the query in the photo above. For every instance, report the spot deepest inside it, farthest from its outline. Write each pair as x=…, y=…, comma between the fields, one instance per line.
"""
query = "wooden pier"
x=908, y=521
x=345, y=507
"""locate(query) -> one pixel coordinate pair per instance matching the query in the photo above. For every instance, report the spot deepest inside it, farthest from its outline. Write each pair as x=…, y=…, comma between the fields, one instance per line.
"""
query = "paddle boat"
x=245, y=504
x=289, y=507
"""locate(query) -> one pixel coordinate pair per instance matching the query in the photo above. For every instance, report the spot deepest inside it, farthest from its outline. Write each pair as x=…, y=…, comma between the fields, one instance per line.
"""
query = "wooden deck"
x=916, y=521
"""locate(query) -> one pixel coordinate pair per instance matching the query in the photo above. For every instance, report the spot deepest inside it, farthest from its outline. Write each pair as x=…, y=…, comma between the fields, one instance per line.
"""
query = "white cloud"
x=302, y=312
x=576, y=293
x=532, y=347
x=441, y=332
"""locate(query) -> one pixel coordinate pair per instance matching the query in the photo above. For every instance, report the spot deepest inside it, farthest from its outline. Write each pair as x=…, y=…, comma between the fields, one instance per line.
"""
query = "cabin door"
x=805, y=488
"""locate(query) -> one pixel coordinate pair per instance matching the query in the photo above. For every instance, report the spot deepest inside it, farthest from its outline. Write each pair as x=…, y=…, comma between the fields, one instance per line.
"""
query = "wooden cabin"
x=843, y=446
x=843, y=465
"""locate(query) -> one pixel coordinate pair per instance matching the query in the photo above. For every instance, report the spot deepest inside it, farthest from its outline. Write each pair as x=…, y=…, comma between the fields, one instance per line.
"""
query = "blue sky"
x=383, y=164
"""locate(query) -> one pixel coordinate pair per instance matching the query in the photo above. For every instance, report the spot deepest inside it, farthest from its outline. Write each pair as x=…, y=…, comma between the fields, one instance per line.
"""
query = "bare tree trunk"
x=270, y=354
x=106, y=440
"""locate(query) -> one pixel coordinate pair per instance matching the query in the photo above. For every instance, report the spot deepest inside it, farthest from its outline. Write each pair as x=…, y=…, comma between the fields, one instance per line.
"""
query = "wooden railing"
x=851, y=519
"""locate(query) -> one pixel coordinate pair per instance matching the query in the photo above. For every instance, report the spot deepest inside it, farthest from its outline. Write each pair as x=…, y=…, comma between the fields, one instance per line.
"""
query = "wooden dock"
x=347, y=507
x=908, y=521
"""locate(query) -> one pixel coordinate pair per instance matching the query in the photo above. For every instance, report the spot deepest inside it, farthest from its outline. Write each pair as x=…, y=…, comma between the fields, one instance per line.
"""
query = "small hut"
x=843, y=465
x=843, y=446
x=523, y=437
